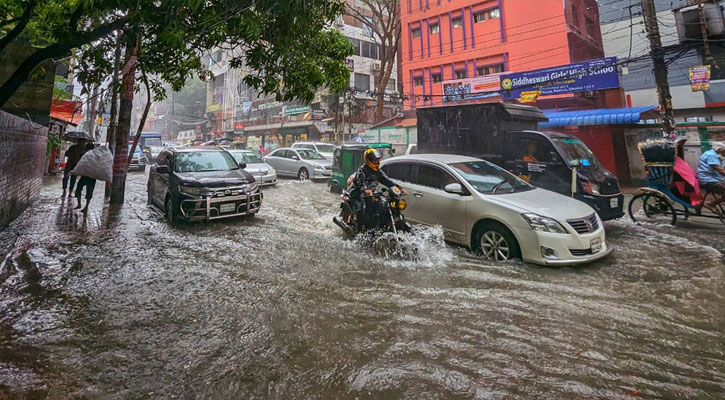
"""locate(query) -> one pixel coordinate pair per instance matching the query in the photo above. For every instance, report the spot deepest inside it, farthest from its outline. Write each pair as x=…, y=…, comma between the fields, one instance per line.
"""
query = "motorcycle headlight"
x=402, y=204
x=190, y=190
x=543, y=224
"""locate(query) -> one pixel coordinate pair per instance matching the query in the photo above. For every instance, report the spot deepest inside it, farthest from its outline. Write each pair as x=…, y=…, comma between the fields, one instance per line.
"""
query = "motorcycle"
x=388, y=217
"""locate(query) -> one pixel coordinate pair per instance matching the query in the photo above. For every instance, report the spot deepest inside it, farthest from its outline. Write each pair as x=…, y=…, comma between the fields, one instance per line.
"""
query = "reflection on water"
x=281, y=306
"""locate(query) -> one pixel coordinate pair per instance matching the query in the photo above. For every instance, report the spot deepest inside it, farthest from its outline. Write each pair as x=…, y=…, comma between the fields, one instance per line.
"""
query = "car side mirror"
x=162, y=169
x=295, y=158
x=454, y=188
x=242, y=165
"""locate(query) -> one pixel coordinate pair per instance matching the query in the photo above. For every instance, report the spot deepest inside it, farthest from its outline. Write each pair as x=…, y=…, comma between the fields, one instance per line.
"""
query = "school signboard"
x=596, y=74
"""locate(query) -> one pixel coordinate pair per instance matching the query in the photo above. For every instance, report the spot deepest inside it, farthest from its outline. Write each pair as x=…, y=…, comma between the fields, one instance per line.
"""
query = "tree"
x=382, y=18
x=286, y=41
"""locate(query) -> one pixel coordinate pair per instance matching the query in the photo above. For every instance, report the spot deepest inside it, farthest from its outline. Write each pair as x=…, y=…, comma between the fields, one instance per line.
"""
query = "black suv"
x=196, y=184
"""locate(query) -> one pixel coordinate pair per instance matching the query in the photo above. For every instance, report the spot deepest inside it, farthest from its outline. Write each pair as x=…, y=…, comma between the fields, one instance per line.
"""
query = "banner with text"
x=471, y=88
x=579, y=77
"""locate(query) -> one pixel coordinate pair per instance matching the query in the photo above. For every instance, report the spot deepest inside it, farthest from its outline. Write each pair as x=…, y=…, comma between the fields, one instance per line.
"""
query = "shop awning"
x=603, y=116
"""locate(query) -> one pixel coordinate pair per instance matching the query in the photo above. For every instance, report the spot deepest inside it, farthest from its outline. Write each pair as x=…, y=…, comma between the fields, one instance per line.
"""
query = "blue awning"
x=603, y=116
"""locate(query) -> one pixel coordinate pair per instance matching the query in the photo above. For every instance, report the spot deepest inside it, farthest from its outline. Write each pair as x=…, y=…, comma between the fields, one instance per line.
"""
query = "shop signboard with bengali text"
x=700, y=78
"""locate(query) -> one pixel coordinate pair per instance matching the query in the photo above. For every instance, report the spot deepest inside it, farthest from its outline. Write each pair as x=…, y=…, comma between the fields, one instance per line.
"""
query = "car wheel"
x=496, y=243
x=169, y=211
x=303, y=175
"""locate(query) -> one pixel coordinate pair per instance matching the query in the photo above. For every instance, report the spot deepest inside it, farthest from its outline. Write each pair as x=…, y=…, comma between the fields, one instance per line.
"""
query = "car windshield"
x=325, y=148
x=204, y=161
x=487, y=178
x=576, y=152
x=310, y=155
x=247, y=157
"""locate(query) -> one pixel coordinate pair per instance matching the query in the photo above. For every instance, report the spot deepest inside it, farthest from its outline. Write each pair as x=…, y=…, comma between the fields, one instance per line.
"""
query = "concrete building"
x=444, y=42
x=237, y=113
x=699, y=114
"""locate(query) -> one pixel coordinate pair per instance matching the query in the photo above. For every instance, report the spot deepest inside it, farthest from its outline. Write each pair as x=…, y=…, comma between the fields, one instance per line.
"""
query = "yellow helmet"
x=372, y=159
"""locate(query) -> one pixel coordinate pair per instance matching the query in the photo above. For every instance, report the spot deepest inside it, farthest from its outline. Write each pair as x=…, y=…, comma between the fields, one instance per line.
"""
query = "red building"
x=445, y=40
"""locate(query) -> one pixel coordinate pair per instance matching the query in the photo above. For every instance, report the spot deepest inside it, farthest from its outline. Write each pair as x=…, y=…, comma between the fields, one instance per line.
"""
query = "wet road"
x=121, y=305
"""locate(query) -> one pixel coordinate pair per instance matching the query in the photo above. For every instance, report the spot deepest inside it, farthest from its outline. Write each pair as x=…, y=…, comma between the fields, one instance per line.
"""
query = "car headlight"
x=253, y=186
x=319, y=167
x=591, y=188
x=543, y=224
x=190, y=190
x=272, y=171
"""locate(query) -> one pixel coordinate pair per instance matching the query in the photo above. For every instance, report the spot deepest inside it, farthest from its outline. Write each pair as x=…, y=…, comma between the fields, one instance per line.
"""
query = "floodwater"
x=121, y=305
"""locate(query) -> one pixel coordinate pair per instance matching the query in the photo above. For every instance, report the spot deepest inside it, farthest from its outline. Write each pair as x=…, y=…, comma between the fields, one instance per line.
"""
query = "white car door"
x=431, y=205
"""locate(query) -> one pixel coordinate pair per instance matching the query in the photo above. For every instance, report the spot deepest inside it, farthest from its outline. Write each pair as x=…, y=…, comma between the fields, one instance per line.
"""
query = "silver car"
x=326, y=149
x=262, y=172
x=302, y=164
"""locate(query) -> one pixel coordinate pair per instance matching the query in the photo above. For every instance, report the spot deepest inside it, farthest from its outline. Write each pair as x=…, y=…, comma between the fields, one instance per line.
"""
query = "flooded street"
x=121, y=305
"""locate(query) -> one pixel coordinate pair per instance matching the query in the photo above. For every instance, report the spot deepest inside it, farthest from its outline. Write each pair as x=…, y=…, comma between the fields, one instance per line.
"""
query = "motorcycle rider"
x=367, y=177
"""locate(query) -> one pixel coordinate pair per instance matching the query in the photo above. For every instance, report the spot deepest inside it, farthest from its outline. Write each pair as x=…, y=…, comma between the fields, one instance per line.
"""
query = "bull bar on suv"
x=247, y=200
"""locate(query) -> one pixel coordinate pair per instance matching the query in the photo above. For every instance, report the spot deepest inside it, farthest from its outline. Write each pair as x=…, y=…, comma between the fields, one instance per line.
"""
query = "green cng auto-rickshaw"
x=349, y=157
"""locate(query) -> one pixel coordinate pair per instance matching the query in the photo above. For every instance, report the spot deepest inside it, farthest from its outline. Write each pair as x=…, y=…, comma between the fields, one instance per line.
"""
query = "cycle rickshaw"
x=672, y=189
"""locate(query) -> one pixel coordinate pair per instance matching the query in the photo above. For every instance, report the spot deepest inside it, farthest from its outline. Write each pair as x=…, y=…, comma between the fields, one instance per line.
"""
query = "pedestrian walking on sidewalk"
x=85, y=182
x=73, y=154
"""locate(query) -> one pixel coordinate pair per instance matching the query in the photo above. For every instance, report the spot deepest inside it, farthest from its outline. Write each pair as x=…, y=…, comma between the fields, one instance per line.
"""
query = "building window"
x=437, y=78
x=457, y=22
x=434, y=28
x=699, y=119
x=367, y=27
x=589, y=29
x=575, y=16
x=479, y=16
x=418, y=81
x=370, y=50
x=494, y=13
x=416, y=32
x=461, y=74
x=362, y=82
x=489, y=69
x=356, y=47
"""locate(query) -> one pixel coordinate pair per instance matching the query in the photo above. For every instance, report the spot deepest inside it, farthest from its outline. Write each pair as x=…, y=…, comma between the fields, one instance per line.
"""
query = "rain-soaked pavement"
x=121, y=305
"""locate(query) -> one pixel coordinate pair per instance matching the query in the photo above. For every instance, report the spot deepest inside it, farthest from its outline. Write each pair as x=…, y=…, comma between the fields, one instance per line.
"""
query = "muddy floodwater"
x=121, y=305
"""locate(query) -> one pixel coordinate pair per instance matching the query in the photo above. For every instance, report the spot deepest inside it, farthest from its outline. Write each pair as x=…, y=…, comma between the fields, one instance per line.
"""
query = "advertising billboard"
x=471, y=88
x=588, y=75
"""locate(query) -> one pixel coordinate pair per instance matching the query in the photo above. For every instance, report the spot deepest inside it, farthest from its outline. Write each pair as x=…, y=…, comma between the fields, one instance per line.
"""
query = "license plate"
x=614, y=203
x=596, y=245
x=225, y=208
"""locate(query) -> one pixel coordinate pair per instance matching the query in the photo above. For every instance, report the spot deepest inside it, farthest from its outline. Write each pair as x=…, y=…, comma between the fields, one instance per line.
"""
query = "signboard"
x=294, y=110
x=459, y=89
x=197, y=129
x=239, y=128
x=700, y=78
x=317, y=115
x=579, y=77
x=246, y=107
x=530, y=96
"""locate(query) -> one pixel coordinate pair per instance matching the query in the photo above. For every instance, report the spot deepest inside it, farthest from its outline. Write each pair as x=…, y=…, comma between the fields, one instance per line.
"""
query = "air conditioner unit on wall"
x=688, y=22
x=376, y=66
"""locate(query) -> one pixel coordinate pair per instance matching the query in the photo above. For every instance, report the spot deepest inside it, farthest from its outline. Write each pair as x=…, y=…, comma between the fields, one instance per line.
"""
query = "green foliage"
x=288, y=42
x=53, y=143
x=60, y=89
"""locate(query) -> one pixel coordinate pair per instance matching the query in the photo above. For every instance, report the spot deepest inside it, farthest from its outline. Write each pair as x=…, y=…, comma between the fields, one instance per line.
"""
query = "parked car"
x=138, y=161
x=326, y=149
x=197, y=183
x=300, y=163
x=486, y=208
x=260, y=170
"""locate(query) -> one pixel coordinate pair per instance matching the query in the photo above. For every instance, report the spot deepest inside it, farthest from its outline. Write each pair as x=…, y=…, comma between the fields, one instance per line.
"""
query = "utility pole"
x=703, y=29
x=657, y=53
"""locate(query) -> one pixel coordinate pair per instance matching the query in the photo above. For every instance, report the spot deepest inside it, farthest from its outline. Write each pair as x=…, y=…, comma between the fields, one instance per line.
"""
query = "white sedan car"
x=487, y=209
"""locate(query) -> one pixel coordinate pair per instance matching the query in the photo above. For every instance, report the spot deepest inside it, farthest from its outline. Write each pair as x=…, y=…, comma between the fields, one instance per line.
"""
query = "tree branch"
x=22, y=23
x=56, y=50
